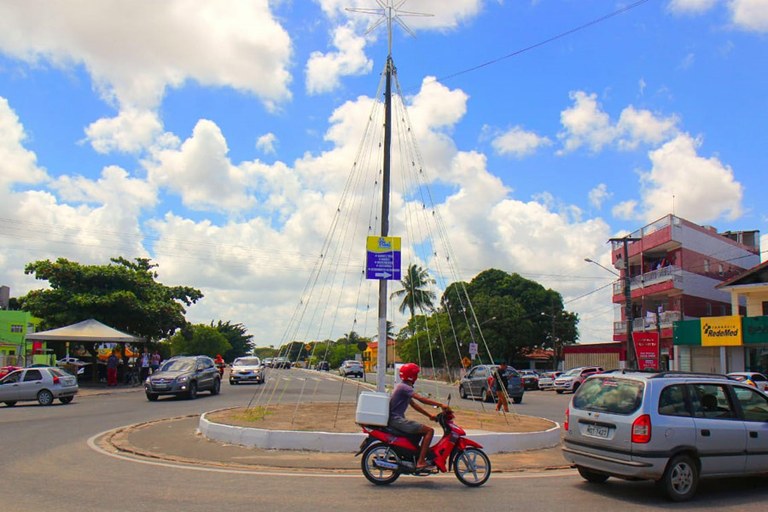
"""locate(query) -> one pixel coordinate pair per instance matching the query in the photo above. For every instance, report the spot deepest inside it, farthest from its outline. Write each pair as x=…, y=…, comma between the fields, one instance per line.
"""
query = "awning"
x=86, y=331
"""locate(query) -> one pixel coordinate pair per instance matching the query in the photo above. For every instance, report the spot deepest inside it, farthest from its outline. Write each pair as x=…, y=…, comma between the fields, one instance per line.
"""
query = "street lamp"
x=589, y=260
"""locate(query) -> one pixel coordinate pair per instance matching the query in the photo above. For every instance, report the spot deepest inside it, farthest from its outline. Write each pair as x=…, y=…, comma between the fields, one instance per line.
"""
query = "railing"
x=648, y=322
x=671, y=272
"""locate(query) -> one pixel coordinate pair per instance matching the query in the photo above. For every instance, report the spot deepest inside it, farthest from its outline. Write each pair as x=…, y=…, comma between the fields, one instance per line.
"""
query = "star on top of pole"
x=389, y=11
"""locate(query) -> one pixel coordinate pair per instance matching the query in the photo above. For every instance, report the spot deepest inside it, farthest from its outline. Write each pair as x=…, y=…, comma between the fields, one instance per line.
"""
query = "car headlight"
x=183, y=378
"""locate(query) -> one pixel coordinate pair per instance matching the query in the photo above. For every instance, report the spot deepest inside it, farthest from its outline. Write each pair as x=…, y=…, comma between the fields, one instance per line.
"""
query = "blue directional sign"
x=383, y=258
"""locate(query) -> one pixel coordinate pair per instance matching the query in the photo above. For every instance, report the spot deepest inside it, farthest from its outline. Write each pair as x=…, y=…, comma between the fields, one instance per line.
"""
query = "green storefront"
x=722, y=344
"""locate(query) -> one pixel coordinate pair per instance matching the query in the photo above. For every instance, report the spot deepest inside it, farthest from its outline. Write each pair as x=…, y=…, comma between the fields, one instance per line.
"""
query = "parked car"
x=72, y=365
x=755, y=379
x=572, y=379
x=41, y=384
x=351, y=368
x=323, y=366
x=5, y=370
x=530, y=379
x=478, y=383
x=246, y=369
x=547, y=379
x=671, y=427
x=184, y=376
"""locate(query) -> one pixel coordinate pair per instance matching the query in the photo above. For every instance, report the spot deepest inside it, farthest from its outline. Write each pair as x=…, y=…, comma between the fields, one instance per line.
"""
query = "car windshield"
x=616, y=396
x=572, y=372
x=178, y=365
x=246, y=361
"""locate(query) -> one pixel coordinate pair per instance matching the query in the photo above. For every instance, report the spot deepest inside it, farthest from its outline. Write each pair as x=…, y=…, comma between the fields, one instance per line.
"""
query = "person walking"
x=155, y=361
x=112, y=362
x=500, y=383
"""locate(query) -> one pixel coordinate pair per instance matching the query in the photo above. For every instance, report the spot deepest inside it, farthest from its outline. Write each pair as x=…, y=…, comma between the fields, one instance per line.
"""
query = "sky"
x=215, y=138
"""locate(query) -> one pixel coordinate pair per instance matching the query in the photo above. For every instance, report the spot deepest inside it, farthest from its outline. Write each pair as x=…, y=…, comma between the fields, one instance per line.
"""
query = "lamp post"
x=627, y=296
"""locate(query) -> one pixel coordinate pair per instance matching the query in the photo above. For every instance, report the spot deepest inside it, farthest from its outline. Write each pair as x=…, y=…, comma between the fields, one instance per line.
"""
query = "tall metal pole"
x=631, y=359
x=381, y=356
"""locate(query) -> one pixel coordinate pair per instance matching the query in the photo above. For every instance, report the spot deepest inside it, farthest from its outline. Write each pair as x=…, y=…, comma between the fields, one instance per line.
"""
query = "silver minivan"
x=672, y=427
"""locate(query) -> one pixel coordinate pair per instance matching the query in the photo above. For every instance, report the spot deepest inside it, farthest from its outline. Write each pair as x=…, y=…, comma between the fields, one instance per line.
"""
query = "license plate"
x=597, y=430
x=161, y=386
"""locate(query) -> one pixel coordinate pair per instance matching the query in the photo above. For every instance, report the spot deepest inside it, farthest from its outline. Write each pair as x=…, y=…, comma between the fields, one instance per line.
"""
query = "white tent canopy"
x=86, y=331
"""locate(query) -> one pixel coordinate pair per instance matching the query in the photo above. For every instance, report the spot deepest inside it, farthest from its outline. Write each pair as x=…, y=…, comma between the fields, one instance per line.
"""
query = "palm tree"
x=414, y=293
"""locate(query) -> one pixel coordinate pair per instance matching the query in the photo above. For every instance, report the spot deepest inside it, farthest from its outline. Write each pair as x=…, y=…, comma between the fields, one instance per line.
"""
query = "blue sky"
x=214, y=137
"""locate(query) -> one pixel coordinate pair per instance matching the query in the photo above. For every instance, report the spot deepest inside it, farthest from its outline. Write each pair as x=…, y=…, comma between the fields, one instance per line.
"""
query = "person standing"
x=500, y=383
x=155, y=362
x=144, y=362
x=112, y=362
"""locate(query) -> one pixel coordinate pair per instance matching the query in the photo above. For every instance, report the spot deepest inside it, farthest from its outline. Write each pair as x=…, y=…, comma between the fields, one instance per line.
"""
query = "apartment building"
x=673, y=269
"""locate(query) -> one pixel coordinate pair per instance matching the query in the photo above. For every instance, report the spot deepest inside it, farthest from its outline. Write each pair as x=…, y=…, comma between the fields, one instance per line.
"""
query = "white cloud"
x=17, y=164
x=266, y=143
x=626, y=210
x=115, y=187
x=750, y=15
x=704, y=189
x=440, y=14
x=228, y=43
x=131, y=131
x=518, y=142
x=324, y=70
x=201, y=172
x=598, y=195
x=691, y=6
x=586, y=124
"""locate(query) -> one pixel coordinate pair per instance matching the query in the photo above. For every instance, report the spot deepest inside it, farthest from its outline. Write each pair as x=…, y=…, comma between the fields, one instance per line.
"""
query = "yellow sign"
x=466, y=362
x=308, y=347
x=721, y=331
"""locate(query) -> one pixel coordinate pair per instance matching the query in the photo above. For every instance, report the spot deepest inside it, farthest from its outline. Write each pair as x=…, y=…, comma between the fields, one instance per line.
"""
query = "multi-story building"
x=674, y=269
x=14, y=350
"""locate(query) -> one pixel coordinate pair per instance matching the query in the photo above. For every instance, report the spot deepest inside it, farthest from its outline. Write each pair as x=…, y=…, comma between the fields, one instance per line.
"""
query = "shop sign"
x=721, y=331
x=646, y=349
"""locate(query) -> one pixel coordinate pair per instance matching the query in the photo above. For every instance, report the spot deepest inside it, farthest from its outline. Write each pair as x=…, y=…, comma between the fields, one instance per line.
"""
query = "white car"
x=246, y=369
x=573, y=378
x=547, y=379
x=753, y=378
x=72, y=361
x=351, y=368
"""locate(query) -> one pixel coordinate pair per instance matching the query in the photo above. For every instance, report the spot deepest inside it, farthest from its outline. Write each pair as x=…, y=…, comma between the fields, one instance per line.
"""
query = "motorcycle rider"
x=405, y=395
x=219, y=362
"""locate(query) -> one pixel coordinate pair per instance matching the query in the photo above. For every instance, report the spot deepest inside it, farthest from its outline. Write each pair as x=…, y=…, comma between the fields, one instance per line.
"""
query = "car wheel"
x=559, y=391
x=231, y=382
x=680, y=479
x=45, y=397
x=462, y=392
x=575, y=387
x=152, y=397
x=216, y=387
x=66, y=399
x=517, y=399
x=592, y=476
x=192, y=392
x=10, y=403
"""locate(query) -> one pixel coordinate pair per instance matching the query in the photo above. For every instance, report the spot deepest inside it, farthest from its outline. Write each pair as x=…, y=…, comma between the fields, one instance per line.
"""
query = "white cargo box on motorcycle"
x=372, y=409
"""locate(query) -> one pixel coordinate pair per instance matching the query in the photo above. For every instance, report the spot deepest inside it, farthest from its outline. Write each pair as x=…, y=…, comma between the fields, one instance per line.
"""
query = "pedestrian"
x=155, y=362
x=144, y=362
x=112, y=362
x=500, y=383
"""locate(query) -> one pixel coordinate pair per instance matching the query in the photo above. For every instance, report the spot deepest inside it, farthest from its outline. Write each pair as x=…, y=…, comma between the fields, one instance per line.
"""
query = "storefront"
x=722, y=344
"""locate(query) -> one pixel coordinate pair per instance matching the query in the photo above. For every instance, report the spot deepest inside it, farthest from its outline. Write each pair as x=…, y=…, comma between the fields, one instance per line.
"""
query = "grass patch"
x=253, y=414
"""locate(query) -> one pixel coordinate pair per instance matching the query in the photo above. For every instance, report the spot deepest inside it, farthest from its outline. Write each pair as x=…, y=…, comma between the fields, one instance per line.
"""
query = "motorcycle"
x=388, y=453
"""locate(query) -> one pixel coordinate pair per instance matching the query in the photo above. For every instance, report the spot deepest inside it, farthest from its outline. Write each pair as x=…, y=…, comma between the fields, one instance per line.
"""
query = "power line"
x=546, y=41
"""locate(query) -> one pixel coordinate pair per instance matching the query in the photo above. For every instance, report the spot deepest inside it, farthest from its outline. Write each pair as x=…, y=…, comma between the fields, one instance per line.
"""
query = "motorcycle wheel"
x=375, y=474
x=472, y=467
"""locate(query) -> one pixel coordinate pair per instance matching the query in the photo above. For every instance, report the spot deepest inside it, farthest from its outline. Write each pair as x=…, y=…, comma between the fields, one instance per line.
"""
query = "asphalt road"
x=47, y=464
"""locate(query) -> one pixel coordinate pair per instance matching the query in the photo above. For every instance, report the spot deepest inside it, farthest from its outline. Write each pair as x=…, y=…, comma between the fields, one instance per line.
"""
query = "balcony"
x=648, y=322
x=670, y=273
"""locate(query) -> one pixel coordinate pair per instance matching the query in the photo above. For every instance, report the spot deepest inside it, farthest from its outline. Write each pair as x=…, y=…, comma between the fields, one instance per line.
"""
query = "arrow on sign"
x=382, y=275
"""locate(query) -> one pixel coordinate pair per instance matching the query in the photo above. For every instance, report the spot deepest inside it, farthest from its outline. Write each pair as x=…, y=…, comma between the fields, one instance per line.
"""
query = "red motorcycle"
x=388, y=453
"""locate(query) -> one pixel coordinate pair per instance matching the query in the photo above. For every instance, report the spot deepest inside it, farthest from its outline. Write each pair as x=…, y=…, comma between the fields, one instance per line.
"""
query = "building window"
x=17, y=328
x=706, y=266
x=720, y=269
x=709, y=309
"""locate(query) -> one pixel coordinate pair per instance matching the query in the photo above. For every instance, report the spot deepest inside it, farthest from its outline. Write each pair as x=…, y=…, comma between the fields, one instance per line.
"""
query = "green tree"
x=238, y=339
x=123, y=294
x=415, y=293
x=199, y=339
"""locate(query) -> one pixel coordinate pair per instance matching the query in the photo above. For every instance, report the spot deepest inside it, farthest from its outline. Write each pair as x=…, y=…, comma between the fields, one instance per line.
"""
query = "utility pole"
x=631, y=359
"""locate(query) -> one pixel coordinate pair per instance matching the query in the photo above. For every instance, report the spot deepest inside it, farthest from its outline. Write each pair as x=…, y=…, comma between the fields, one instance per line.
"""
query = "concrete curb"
x=332, y=442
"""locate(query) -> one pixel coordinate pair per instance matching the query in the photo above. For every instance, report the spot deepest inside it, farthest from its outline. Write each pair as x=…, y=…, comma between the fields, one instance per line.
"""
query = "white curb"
x=330, y=442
